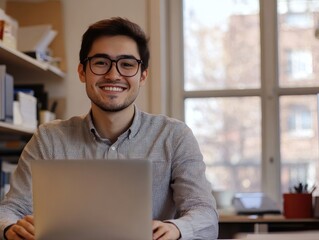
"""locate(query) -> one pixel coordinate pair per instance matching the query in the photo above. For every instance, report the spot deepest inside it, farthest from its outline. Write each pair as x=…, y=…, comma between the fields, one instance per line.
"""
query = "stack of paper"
x=34, y=40
x=28, y=110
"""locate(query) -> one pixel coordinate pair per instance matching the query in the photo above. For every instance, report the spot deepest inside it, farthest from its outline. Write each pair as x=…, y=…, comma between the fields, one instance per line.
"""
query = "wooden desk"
x=231, y=225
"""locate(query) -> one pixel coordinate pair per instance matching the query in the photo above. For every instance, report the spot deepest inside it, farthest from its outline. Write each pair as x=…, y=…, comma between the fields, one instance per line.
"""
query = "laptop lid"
x=92, y=199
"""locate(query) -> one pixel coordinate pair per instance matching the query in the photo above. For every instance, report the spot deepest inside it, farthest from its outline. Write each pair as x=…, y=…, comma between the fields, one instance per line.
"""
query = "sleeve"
x=197, y=216
x=18, y=201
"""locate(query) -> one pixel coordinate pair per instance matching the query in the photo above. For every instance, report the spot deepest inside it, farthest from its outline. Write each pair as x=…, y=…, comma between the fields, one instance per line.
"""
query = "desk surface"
x=261, y=219
x=232, y=225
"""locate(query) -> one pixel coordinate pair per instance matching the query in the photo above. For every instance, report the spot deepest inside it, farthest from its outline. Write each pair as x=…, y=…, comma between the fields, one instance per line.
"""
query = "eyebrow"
x=117, y=57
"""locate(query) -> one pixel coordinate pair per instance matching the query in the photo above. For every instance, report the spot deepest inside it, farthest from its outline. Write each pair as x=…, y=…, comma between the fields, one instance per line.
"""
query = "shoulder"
x=162, y=120
x=63, y=126
x=164, y=126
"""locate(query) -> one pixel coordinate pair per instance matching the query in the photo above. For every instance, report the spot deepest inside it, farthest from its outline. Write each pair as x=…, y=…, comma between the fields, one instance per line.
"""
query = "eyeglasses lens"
x=126, y=66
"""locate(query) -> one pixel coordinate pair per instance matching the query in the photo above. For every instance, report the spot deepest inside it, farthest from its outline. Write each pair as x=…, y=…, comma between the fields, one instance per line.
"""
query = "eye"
x=128, y=63
x=100, y=62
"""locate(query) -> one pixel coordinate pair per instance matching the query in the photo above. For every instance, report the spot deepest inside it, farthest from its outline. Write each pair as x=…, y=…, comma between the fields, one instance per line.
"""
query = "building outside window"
x=250, y=120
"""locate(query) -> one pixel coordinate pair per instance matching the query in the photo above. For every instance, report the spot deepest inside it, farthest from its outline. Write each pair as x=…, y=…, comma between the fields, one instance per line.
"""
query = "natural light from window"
x=225, y=94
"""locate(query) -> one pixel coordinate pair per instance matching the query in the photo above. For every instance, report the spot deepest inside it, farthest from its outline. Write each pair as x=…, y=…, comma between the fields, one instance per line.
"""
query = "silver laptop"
x=92, y=199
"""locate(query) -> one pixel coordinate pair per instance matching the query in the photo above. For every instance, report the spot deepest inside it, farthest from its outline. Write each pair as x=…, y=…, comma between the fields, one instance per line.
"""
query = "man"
x=113, y=66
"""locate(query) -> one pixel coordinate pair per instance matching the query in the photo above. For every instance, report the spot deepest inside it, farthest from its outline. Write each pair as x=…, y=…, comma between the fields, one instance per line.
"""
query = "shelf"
x=24, y=67
x=15, y=129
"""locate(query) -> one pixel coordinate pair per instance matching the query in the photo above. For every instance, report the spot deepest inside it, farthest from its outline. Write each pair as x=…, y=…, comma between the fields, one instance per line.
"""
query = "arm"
x=18, y=202
x=196, y=208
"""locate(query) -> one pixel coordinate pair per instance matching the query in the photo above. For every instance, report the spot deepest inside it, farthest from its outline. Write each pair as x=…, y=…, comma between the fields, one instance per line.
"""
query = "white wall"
x=78, y=15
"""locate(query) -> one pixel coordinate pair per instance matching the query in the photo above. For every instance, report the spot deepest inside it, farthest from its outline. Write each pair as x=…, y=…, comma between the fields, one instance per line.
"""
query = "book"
x=7, y=169
x=10, y=150
x=11, y=147
x=8, y=30
x=1, y=29
x=6, y=95
x=9, y=97
x=1, y=181
x=2, y=91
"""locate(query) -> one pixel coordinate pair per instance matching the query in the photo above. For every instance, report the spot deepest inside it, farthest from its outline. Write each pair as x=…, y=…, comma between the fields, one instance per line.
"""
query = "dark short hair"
x=113, y=27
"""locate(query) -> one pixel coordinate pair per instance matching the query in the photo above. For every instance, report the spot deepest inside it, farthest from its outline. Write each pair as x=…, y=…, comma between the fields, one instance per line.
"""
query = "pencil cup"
x=316, y=207
x=46, y=116
x=298, y=205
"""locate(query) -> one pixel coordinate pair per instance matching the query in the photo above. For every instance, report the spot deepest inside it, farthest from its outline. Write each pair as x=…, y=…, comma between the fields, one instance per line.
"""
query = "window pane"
x=298, y=47
x=220, y=38
x=299, y=140
x=229, y=134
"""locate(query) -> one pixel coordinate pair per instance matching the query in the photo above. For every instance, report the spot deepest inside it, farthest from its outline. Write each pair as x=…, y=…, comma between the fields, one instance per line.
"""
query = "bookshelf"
x=22, y=66
x=15, y=129
x=25, y=69
x=29, y=71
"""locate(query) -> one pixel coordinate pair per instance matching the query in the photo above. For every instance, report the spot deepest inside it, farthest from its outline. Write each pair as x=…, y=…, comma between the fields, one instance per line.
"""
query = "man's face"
x=112, y=92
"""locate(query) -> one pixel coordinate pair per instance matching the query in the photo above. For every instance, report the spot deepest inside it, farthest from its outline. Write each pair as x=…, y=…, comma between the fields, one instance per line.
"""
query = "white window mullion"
x=223, y=93
x=270, y=101
x=159, y=93
x=176, y=72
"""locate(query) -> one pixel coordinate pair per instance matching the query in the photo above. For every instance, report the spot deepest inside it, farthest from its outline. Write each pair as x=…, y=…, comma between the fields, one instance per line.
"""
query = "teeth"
x=113, y=89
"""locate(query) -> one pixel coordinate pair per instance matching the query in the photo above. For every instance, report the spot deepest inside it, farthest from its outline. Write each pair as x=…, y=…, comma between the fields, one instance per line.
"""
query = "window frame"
x=269, y=92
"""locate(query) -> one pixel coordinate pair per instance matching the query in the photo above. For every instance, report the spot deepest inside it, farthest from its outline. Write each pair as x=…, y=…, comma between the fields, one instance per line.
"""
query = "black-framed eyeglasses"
x=101, y=64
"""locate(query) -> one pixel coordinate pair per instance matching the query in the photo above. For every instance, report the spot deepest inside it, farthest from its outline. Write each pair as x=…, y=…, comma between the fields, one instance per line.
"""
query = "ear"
x=81, y=73
x=143, y=77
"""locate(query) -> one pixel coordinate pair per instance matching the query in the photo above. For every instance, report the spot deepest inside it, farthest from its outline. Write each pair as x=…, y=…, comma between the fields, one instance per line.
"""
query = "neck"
x=111, y=125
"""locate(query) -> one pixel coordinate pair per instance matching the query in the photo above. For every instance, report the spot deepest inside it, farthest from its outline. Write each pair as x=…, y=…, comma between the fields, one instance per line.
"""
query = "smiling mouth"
x=113, y=89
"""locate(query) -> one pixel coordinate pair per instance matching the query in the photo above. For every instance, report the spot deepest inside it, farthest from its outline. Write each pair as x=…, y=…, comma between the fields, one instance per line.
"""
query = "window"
x=219, y=40
x=249, y=90
x=229, y=134
x=299, y=20
x=299, y=64
x=299, y=139
x=299, y=121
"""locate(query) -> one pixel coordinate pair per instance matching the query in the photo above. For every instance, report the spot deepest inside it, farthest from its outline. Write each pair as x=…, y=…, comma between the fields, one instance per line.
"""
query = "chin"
x=114, y=108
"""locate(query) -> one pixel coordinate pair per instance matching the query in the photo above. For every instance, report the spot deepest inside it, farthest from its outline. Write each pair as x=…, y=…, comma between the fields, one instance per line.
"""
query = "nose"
x=113, y=72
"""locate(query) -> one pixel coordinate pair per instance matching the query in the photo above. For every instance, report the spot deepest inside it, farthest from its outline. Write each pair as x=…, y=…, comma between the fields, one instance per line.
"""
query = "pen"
x=313, y=189
x=53, y=107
